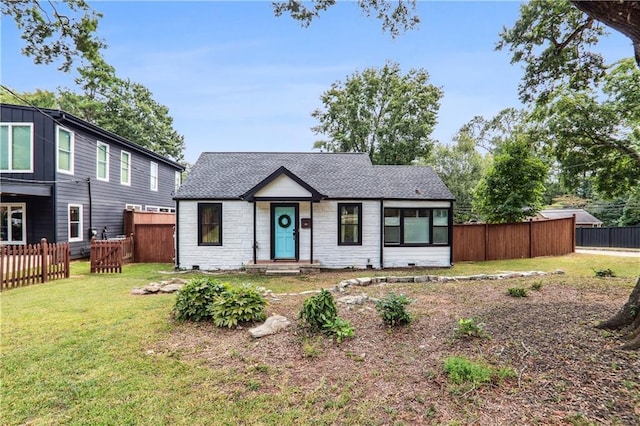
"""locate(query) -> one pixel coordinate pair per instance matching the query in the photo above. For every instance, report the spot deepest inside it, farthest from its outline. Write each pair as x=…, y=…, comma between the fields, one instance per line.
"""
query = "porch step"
x=282, y=272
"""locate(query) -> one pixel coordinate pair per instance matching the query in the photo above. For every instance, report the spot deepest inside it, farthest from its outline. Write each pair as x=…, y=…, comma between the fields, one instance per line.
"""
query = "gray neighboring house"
x=330, y=210
x=66, y=180
x=584, y=219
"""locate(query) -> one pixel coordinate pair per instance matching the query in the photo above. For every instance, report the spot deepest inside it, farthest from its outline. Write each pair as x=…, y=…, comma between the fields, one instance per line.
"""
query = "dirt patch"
x=566, y=371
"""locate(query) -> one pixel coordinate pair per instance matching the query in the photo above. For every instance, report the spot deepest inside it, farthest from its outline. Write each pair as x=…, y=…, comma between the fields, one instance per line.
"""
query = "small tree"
x=513, y=187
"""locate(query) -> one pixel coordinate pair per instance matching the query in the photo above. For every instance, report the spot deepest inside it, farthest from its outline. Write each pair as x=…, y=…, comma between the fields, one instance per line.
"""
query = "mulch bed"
x=567, y=371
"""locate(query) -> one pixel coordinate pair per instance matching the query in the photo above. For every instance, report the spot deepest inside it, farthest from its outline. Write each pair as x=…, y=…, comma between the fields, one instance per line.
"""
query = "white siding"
x=283, y=186
x=325, y=236
x=401, y=257
x=237, y=237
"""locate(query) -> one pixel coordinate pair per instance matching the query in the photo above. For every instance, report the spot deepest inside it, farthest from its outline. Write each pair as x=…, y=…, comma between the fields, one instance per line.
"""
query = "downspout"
x=451, y=259
x=381, y=233
x=90, y=206
x=311, y=233
x=176, y=238
x=255, y=242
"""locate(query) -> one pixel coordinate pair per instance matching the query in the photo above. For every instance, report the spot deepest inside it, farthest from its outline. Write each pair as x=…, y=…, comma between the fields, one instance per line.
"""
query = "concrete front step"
x=282, y=272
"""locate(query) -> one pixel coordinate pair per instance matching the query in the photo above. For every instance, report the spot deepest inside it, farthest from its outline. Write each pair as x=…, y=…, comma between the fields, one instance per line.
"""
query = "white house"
x=329, y=210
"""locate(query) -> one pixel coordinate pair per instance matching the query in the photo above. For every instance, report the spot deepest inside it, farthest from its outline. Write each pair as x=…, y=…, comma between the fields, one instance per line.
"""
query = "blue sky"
x=236, y=78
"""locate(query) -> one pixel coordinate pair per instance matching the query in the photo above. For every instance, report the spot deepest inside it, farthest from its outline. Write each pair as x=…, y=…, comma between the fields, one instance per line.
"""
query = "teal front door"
x=284, y=232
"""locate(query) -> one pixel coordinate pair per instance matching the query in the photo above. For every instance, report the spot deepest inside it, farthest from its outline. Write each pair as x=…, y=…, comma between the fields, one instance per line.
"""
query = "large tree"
x=383, y=112
x=513, y=187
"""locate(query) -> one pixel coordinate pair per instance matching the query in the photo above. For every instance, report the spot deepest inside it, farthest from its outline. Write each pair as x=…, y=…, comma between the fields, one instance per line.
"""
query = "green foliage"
x=460, y=167
x=194, y=298
x=513, y=187
x=339, y=328
x=461, y=370
x=237, y=305
x=396, y=17
x=393, y=311
x=468, y=327
x=537, y=286
x=605, y=273
x=319, y=310
x=383, y=112
x=517, y=292
x=552, y=41
x=63, y=30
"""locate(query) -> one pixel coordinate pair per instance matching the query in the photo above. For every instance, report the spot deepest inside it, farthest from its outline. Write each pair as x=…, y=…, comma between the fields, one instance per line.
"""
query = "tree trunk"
x=628, y=316
x=622, y=16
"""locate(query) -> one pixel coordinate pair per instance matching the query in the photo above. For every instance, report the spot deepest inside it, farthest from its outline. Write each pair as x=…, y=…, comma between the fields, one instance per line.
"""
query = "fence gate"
x=110, y=255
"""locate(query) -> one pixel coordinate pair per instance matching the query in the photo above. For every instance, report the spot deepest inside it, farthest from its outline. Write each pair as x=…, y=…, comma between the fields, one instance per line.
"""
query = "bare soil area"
x=566, y=371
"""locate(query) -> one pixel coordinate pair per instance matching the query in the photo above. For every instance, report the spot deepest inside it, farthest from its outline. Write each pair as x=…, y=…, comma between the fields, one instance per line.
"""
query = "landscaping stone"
x=272, y=325
x=354, y=300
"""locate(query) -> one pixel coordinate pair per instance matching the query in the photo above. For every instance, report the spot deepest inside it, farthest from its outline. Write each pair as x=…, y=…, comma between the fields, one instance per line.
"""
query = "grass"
x=77, y=351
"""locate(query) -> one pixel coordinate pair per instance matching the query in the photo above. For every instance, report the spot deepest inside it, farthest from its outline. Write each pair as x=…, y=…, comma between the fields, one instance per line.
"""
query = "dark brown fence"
x=154, y=235
x=478, y=242
x=22, y=265
x=109, y=255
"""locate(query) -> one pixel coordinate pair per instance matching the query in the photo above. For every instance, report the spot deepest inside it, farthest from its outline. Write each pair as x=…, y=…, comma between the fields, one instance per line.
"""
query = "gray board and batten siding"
x=103, y=202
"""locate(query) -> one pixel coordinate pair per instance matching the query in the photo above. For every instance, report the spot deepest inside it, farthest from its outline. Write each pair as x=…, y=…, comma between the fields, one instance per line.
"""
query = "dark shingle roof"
x=582, y=216
x=228, y=175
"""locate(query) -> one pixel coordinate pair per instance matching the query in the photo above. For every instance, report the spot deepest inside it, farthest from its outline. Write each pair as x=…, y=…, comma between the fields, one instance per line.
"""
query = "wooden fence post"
x=486, y=240
x=530, y=238
x=44, y=259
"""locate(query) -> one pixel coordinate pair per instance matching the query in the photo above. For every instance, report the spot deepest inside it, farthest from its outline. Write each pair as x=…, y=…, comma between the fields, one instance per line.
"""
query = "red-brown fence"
x=154, y=235
x=110, y=255
x=478, y=242
x=22, y=265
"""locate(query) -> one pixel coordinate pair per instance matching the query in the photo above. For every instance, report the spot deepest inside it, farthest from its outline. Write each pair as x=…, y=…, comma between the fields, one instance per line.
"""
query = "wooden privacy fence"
x=22, y=265
x=154, y=235
x=110, y=255
x=478, y=242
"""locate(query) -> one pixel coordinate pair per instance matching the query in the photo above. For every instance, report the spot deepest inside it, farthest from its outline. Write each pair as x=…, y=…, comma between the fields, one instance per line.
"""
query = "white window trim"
x=10, y=148
x=80, y=228
x=23, y=239
x=177, y=180
x=153, y=176
x=100, y=144
x=136, y=207
x=72, y=148
x=122, y=154
x=159, y=209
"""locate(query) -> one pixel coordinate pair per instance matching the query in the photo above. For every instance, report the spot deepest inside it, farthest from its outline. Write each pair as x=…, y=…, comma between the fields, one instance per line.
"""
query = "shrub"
x=318, y=310
x=339, y=328
x=393, y=311
x=537, y=286
x=461, y=370
x=194, y=298
x=467, y=327
x=517, y=292
x=238, y=305
x=604, y=273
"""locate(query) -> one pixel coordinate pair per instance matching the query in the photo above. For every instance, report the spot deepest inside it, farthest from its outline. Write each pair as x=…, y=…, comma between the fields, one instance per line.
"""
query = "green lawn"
x=75, y=351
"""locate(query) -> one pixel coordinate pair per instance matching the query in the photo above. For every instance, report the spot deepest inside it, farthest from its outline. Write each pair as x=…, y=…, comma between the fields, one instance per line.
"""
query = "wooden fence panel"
x=22, y=265
x=478, y=242
x=154, y=243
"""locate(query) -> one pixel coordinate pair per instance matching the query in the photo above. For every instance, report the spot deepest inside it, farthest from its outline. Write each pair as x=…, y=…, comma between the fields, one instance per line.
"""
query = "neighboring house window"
x=210, y=224
x=159, y=209
x=154, y=176
x=136, y=207
x=415, y=227
x=177, y=180
x=12, y=226
x=65, y=140
x=349, y=224
x=102, y=161
x=16, y=147
x=440, y=226
x=75, y=222
x=125, y=168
